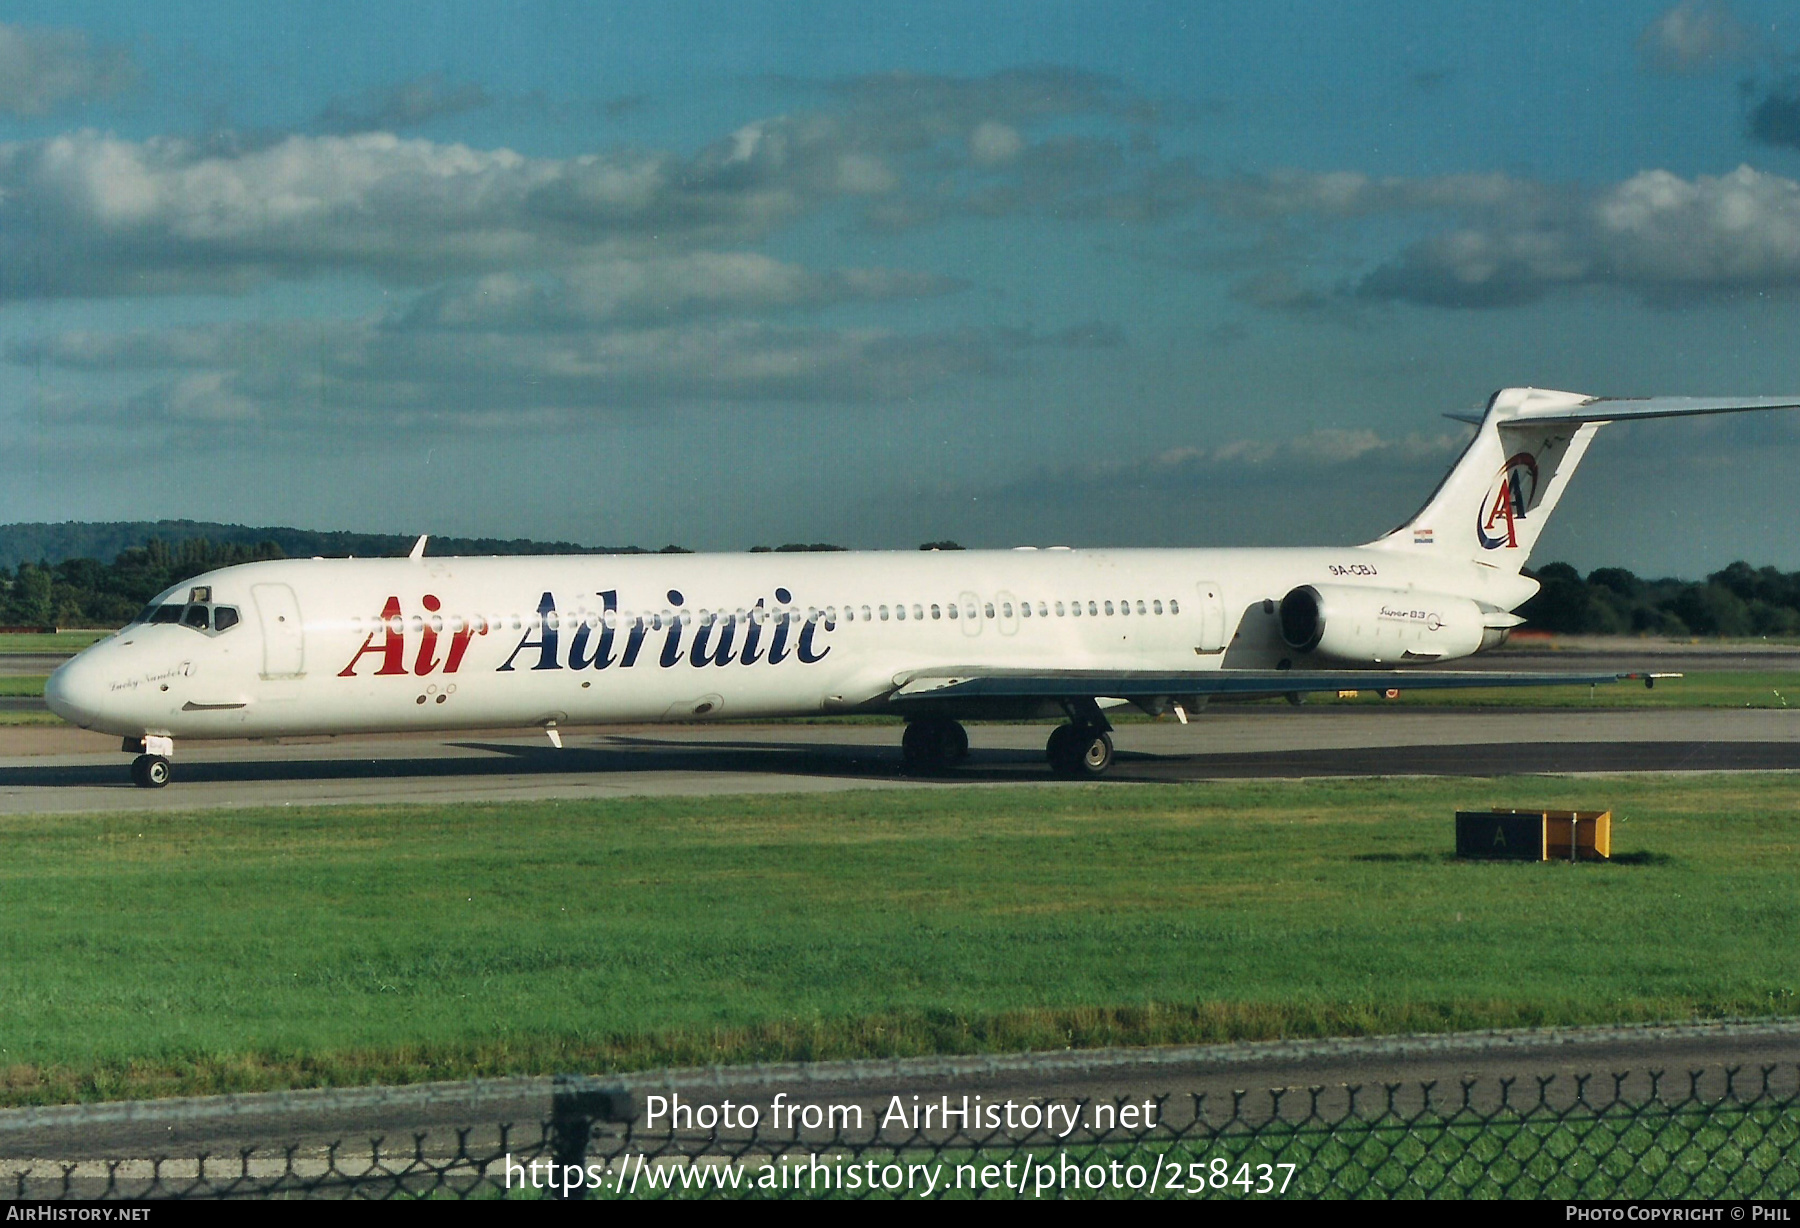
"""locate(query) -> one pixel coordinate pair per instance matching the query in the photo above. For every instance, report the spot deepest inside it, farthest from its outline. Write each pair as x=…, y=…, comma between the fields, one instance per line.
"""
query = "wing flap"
x=1130, y=684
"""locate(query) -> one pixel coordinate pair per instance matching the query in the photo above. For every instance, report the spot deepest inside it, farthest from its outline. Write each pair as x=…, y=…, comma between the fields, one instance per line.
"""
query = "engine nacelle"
x=1376, y=626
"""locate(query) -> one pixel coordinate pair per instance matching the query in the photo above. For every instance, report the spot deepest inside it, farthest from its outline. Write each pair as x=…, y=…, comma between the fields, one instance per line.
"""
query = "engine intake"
x=1374, y=626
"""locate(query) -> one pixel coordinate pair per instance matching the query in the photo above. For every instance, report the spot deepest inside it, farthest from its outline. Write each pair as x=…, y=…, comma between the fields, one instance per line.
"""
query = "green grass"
x=215, y=951
x=61, y=641
x=1715, y=1150
x=1723, y=689
x=12, y=685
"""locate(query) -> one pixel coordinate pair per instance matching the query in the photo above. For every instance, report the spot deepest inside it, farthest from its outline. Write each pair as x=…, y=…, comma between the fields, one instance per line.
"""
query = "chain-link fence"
x=1727, y=1133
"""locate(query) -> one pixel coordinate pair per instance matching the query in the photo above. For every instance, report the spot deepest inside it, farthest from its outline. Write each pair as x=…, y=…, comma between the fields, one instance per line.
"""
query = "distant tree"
x=1618, y=580
x=1710, y=609
x=945, y=545
x=28, y=602
x=1562, y=602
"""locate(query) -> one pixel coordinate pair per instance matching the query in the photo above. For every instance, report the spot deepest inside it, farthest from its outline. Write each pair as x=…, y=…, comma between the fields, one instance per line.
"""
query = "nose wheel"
x=150, y=771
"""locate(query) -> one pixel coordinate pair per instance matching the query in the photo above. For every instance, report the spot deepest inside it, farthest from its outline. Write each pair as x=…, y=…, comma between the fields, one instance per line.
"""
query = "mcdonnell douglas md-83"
x=329, y=646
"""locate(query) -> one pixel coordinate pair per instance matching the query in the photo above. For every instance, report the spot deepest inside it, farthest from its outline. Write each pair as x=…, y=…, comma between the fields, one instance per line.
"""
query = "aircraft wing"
x=1131, y=684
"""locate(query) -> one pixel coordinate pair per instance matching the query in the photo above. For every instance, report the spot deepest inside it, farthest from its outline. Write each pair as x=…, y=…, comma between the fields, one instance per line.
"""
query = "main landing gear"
x=1084, y=746
x=150, y=770
x=933, y=744
x=1079, y=750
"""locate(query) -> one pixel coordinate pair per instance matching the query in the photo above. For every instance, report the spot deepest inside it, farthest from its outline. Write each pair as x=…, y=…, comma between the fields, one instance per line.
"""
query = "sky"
x=1044, y=273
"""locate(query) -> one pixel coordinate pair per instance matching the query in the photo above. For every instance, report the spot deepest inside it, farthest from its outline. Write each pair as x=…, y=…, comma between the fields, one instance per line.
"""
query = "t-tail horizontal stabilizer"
x=1494, y=502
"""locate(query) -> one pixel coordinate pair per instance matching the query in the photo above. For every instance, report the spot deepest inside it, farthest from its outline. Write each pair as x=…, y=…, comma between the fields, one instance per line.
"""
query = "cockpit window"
x=198, y=615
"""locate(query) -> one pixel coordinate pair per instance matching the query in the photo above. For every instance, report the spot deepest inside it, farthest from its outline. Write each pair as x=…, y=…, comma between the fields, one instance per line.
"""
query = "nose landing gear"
x=150, y=770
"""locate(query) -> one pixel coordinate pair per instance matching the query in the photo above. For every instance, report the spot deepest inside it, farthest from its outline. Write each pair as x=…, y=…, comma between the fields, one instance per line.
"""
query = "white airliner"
x=329, y=646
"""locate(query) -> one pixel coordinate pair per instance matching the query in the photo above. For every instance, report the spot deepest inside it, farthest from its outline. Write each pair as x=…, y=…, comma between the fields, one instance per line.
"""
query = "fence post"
x=576, y=1103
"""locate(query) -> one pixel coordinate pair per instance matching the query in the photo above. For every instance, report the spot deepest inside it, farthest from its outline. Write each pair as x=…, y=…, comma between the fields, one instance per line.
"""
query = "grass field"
x=61, y=641
x=1723, y=689
x=217, y=951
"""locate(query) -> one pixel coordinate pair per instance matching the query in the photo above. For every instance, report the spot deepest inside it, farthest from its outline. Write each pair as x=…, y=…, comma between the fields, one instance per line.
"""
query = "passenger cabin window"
x=1157, y=606
x=1109, y=609
x=1075, y=608
x=900, y=613
x=1174, y=606
x=1094, y=610
x=988, y=609
x=1059, y=609
x=1140, y=606
x=937, y=611
x=918, y=612
x=952, y=609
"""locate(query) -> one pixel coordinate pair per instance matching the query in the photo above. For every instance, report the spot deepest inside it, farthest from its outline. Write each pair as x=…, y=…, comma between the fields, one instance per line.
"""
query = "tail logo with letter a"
x=1508, y=499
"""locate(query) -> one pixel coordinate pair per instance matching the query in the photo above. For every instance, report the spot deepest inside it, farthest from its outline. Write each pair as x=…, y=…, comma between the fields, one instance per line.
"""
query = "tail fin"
x=1498, y=496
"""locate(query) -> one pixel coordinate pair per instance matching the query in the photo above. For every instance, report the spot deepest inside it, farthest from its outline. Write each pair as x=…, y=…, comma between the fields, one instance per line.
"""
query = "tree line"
x=84, y=592
x=1741, y=600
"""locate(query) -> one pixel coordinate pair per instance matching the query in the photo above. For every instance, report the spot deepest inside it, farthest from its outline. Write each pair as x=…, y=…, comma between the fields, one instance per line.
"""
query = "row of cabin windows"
x=898, y=612
x=1005, y=609
x=654, y=621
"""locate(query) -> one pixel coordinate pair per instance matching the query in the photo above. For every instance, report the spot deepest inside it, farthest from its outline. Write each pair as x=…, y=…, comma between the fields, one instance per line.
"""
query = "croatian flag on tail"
x=1422, y=537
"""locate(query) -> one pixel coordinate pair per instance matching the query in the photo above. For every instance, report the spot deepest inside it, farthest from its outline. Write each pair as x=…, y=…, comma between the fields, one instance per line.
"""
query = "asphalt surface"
x=56, y=769
x=30, y=664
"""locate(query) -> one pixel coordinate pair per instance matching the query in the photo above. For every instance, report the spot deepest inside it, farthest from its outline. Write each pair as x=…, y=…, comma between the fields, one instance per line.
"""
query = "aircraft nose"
x=74, y=693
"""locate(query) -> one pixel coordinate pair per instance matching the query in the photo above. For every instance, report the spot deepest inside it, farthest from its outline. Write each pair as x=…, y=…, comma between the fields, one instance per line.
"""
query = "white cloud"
x=405, y=105
x=1697, y=36
x=41, y=68
x=1656, y=234
x=659, y=289
x=305, y=374
x=540, y=289
x=992, y=143
x=168, y=215
x=1502, y=240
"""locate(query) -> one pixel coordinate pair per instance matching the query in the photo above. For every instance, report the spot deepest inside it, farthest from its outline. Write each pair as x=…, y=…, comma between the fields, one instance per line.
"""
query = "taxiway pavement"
x=50, y=769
